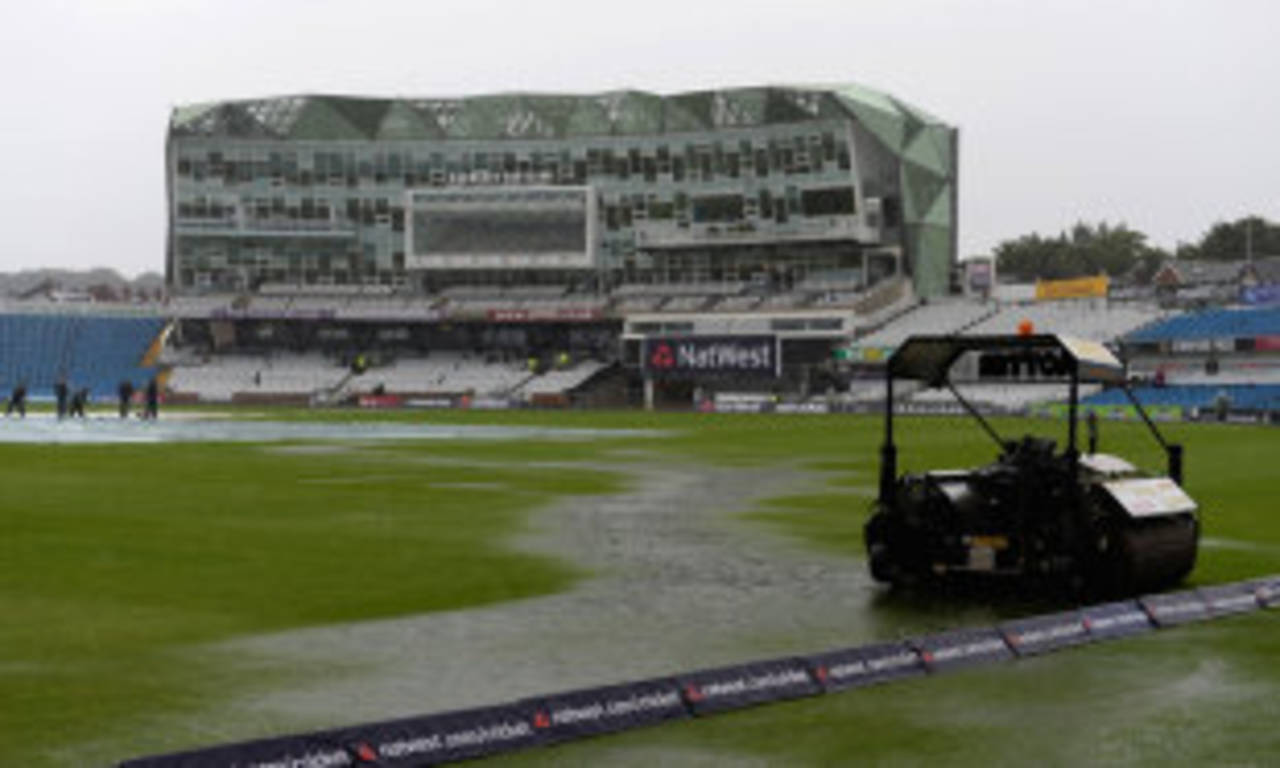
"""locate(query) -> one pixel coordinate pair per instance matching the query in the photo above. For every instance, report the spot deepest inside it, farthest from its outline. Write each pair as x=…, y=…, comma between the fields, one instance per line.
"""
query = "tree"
x=1229, y=241
x=1085, y=250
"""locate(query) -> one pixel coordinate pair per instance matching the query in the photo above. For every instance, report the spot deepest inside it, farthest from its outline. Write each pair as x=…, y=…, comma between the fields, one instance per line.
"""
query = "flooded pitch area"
x=214, y=428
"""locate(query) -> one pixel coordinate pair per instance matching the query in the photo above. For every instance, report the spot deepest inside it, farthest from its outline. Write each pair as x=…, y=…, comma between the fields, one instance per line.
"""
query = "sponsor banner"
x=855, y=667
x=1227, y=599
x=488, y=404
x=1268, y=591
x=1115, y=412
x=962, y=648
x=595, y=711
x=1267, y=293
x=1041, y=634
x=743, y=402
x=978, y=274
x=816, y=408
x=548, y=314
x=1077, y=288
x=676, y=356
x=1191, y=345
x=1175, y=608
x=417, y=741
x=860, y=353
x=380, y=401
x=429, y=402
x=1267, y=343
x=744, y=685
x=303, y=751
x=739, y=407
x=1116, y=619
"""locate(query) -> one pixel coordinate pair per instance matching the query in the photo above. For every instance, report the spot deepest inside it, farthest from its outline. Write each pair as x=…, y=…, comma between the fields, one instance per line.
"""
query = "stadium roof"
x=549, y=116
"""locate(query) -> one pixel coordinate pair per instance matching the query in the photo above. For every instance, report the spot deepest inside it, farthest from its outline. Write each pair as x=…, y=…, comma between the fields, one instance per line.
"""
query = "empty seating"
x=1098, y=321
x=557, y=380
x=1246, y=397
x=442, y=372
x=96, y=352
x=222, y=377
x=1212, y=324
x=934, y=318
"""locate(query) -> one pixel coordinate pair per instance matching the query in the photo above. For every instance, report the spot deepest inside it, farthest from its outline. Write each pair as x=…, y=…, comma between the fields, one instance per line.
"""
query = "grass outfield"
x=115, y=559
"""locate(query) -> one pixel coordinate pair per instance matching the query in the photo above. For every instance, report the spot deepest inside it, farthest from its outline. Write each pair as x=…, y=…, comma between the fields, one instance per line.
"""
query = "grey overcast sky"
x=1164, y=114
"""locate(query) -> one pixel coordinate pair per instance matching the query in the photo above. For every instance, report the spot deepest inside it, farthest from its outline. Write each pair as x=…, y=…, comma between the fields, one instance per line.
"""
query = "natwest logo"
x=697, y=355
x=662, y=357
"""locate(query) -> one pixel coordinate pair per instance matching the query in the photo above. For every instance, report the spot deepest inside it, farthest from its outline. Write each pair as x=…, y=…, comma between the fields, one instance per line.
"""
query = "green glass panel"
x=404, y=122
x=689, y=112
x=633, y=112
x=923, y=151
x=318, y=120
x=365, y=114
x=589, y=118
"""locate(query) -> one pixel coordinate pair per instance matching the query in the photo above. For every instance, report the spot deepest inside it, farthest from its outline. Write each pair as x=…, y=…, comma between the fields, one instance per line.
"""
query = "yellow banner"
x=1076, y=288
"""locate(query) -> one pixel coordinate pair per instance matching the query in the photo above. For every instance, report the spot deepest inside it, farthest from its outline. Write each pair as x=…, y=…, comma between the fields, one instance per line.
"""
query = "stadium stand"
x=224, y=376
x=1212, y=324
x=442, y=372
x=936, y=317
x=558, y=380
x=1098, y=321
x=91, y=351
x=1239, y=397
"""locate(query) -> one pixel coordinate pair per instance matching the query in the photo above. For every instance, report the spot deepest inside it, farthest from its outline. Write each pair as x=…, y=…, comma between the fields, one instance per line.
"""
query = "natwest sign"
x=697, y=355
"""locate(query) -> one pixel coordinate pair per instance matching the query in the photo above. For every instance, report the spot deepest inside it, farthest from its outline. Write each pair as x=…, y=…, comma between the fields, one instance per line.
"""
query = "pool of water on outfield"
x=44, y=428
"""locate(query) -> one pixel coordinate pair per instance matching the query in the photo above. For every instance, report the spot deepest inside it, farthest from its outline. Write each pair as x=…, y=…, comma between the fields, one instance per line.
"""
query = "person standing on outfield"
x=78, y=401
x=18, y=400
x=60, y=392
x=126, y=397
x=153, y=398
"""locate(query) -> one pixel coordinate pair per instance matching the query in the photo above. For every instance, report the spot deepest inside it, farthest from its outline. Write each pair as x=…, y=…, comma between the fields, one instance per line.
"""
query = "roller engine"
x=1093, y=522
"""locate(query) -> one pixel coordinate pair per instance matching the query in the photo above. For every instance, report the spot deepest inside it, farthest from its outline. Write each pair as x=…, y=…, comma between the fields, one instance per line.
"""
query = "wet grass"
x=1198, y=695
x=113, y=556
x=114, y=559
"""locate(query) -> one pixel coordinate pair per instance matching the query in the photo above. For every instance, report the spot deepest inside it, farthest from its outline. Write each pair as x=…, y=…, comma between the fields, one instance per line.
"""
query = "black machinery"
x=1092, y=522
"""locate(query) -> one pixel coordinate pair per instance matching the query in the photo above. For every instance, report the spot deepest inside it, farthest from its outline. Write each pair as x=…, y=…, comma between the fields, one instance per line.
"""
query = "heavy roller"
x=1037, y=515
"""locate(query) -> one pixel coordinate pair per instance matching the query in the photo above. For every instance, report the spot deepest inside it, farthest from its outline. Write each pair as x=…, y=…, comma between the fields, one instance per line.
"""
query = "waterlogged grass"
x=116, y=559
x=113, y=556
x=1197, y=695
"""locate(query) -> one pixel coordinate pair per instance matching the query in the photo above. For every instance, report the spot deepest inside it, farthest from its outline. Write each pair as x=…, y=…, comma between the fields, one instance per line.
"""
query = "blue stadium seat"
x=93, y=352
x=1244, y=397
x=1212, y=324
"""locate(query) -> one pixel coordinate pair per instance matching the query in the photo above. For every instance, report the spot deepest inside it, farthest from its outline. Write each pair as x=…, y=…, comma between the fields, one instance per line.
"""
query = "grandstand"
x=1096, y=319
x=1250, y=398
x=834, y=184
x=548, y=342
x=93, y=351
x=1213, y=324
x=935, y=317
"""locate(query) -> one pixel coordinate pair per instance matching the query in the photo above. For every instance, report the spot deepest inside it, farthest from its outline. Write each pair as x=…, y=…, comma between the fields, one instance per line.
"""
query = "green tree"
x=1228, y=241
x=1084, y=250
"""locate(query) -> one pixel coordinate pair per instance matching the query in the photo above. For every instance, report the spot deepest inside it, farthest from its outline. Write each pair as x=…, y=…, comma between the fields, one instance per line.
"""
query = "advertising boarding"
x=692, y=356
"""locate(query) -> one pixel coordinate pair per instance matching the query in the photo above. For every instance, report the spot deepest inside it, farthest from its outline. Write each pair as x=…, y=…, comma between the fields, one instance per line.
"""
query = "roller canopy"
x=929, y=358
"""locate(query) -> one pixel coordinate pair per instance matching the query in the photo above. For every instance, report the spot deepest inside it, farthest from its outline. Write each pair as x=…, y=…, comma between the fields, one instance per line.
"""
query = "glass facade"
x=694, y=187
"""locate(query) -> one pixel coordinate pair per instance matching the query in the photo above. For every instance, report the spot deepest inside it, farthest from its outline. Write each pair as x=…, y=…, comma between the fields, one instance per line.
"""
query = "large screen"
x=498, y=230
x=530, y=227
